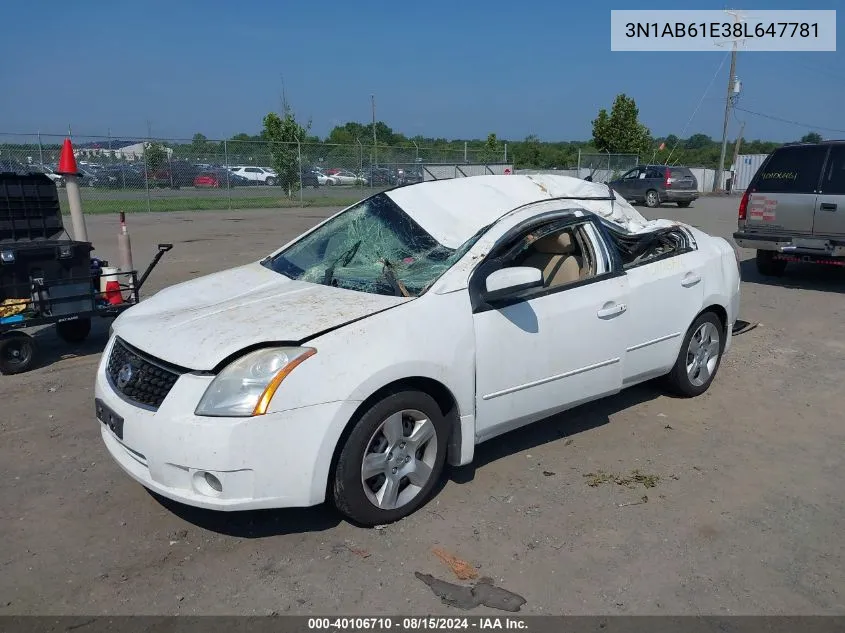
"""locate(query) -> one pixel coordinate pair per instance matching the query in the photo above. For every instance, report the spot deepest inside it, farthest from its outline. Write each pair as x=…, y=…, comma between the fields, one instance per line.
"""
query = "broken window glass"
x=373, y=247
x=636, y=249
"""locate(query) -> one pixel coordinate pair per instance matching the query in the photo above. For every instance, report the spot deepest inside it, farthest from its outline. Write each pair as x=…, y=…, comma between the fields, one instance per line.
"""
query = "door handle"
x=827, y=206
x=610, y=311
x=690, y=279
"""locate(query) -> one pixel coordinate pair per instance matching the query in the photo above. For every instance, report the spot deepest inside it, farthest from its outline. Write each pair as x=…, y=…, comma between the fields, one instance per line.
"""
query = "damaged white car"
x=354, y=362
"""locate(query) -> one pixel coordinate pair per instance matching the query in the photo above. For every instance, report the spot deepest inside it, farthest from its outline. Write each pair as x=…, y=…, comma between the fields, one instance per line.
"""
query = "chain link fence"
x=159, y=174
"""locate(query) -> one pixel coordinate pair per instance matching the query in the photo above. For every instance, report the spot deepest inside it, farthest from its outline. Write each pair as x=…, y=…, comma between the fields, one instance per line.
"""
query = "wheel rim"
x=17, y=352
x=399, y=460
x=651, y=198
x=703, y=354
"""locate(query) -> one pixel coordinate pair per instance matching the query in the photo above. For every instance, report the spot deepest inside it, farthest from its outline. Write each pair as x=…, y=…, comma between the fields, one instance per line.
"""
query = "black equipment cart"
x=48, y=280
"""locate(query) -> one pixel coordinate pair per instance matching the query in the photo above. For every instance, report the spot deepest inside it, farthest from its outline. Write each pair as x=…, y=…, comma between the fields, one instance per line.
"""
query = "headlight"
x=245, y=387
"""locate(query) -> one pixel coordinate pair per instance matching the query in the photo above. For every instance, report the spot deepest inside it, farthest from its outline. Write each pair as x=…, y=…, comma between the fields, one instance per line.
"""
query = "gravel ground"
x=745, y=516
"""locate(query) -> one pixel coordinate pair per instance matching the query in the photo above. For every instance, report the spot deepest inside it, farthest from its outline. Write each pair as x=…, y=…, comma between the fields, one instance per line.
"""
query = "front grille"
x=140, y=378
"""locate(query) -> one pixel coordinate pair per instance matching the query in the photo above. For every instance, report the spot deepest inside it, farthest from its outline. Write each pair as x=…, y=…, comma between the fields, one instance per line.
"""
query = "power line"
x=798, y=123
x=700, y=101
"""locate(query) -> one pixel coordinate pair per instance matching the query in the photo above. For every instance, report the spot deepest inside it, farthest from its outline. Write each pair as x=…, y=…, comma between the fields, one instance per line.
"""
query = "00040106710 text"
x=722, y=30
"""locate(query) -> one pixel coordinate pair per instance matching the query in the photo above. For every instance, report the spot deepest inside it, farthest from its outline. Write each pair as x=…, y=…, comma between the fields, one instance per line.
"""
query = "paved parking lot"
x=746, y=514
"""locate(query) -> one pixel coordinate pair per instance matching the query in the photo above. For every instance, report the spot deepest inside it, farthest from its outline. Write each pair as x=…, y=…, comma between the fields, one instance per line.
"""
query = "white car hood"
x=199, y=323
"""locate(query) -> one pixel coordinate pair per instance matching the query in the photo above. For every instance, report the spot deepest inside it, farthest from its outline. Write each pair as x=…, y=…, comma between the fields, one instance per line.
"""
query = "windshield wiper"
x=343, y=260
x=389, y=273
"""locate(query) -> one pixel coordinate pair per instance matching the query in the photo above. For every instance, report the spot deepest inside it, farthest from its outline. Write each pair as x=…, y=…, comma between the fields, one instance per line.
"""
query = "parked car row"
x=176, y=174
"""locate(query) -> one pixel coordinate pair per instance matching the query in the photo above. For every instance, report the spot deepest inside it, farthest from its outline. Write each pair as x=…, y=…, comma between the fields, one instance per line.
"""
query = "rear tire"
x=387, y=450
x=652, y=199
x=17, y=353
x=768, y=266
x=699, y=358
x=684, y=205
x=74, y=331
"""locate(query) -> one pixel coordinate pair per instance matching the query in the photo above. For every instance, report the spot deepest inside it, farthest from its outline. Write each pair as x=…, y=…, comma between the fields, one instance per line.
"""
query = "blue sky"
x=447, y=69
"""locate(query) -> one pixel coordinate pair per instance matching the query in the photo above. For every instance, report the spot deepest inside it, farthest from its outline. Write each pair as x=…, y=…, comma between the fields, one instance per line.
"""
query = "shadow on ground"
x=50, y=349
x=557, y=428
x=256, y=523
x=798, y=276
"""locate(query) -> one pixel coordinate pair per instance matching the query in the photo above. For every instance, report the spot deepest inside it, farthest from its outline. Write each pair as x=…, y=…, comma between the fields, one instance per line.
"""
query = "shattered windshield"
x=372, y=247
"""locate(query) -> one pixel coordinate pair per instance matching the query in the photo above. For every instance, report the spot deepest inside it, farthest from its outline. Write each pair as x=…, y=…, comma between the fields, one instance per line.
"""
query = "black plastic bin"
x=31, y=251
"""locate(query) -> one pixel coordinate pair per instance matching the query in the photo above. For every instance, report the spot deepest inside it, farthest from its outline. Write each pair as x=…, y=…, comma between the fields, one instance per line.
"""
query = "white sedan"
x=345, y=177
x=351, y=364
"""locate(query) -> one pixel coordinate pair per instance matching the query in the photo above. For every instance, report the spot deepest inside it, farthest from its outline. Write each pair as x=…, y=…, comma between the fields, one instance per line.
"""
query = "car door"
x=666, y=294
x=549, y=348
x=626, y=185
x=829, y=216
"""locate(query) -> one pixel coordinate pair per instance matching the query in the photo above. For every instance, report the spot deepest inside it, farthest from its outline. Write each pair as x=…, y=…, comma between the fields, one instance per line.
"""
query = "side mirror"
x=507, y=281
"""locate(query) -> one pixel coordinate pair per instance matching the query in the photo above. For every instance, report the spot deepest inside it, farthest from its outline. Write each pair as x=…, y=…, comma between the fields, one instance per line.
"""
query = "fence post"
x=40, y=151
x=299, y=155
x=361, y=164
x=506, y=154
x=147, y=175
x=169, y=166
x=579, y=162
x=226, y=166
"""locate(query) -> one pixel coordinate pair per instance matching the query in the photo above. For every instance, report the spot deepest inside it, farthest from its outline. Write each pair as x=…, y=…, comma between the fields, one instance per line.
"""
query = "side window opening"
x=640, y=249
x=564, y=255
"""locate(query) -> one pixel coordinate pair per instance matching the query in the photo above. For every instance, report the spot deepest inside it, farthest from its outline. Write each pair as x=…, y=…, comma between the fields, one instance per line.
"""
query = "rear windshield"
x=681, y=172
x=791, y=170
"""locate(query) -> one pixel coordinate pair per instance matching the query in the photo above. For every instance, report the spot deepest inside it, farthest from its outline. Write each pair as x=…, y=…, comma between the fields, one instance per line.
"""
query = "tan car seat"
x=555, y=256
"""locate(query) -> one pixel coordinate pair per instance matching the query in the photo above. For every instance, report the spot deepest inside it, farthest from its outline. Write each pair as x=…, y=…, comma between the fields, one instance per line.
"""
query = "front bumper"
x=276, y=460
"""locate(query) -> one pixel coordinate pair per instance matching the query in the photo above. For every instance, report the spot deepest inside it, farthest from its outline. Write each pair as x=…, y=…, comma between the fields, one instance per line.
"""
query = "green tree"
x=283, y=133
x=698, y=141
x=527, y=154
x=620, y=132
x=812, y=137
x=491, y=152
x=155, y=155
x=199, y=145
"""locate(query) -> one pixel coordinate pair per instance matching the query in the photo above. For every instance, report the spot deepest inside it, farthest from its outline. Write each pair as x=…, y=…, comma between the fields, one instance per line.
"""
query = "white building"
x=116, y=149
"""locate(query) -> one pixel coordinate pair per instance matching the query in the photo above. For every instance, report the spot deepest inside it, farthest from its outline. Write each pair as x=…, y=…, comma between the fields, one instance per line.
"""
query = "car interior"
x=563, y=256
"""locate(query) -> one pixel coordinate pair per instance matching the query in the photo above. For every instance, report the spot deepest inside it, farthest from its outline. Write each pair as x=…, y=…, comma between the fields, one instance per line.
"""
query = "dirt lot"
x=746, y=517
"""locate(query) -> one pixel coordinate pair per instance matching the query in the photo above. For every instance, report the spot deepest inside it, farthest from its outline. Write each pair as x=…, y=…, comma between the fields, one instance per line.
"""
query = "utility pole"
x=375, y=140
x=717, y=180
x=736, y=153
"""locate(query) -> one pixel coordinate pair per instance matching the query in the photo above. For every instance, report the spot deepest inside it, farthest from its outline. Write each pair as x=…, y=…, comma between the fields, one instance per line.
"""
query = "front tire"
x=652, y=199
x=699, y=358
x=270, y=182
x=768, y=266
x=392, y=459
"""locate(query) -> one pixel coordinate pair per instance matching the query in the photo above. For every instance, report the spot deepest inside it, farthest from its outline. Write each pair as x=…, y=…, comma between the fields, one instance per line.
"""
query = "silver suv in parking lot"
x=794, y=207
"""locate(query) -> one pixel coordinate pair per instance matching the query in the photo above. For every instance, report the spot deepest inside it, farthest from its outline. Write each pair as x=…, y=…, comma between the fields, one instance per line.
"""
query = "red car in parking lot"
x=209, y=179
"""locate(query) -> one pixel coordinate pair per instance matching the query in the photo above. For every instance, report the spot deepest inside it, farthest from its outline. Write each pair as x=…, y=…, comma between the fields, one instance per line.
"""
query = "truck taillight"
x=743, y=206
x=667, y=179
